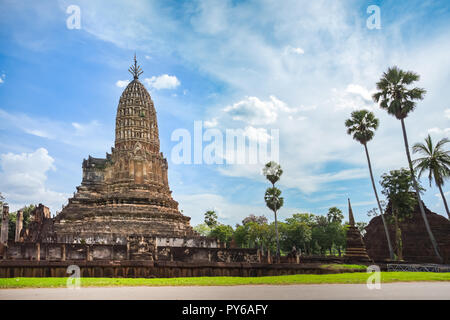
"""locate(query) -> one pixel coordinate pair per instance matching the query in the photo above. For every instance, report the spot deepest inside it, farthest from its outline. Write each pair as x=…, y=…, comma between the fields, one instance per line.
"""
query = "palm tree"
x=274, y=202
x=362, y=126
x=398, y=100
x=436, y=161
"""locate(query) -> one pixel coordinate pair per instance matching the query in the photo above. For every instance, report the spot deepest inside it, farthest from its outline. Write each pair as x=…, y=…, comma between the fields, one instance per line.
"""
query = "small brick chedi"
x=128, y=191
x=356, y=250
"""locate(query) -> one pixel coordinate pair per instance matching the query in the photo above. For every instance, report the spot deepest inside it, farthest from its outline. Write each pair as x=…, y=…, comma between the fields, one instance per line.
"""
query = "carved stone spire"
x=350, y=214
x=136, y=119
x=135, y=70
x=355, y=250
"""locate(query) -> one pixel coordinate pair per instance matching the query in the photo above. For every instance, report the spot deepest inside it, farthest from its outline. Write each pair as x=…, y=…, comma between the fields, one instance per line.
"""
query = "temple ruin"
x=123, y=210
x=127, y=192
x=416, y=243
x=355, y=250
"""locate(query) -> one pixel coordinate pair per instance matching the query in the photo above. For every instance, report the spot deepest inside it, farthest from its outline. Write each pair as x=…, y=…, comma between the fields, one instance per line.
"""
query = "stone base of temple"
x=157, y=269
x=109, y=224
x=357, y=257
x=355, y=251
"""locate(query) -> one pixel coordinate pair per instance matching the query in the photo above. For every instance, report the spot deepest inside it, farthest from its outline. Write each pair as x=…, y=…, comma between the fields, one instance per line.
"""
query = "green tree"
x=272, y=171
x=253, y=218
x=341, y=238
x=223, y=232
x=12, y=226
x=295, y=232
x=256, y=233
x=436, y=161
x=336, y=236
x=395, y=96
x=26, y=219
x=241, y=236
x=335, y=215
x=362, y=126
x=361, y=227
x=397, y=187
x=274, y=202
x=211, y=219
x=269, y=236
x=320, y=236
x=203, y=229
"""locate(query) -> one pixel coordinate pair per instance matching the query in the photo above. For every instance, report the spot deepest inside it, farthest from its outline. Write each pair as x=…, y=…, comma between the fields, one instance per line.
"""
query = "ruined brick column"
x=19, y=224
x=5, y=224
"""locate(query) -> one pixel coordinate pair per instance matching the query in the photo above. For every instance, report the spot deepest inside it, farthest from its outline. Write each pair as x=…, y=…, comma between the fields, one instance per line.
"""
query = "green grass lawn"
x=344, y=266
x=359, y=277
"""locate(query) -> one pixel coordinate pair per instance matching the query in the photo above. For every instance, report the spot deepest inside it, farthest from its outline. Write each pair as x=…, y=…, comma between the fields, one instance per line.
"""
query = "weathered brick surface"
x=416, y=243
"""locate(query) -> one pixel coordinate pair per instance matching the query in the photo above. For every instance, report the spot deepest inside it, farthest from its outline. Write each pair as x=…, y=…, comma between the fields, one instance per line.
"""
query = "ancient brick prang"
x=128, y=191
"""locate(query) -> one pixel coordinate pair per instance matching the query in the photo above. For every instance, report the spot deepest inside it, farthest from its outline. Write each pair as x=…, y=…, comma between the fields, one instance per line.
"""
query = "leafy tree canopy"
x=362, y=125
x=335, y=215
x=273, y=198
x=394, y=94
x=398, y=188
x=211, y=218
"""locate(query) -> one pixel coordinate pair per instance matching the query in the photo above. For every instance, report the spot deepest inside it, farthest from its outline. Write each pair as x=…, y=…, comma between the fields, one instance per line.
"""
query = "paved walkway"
x=417, y=290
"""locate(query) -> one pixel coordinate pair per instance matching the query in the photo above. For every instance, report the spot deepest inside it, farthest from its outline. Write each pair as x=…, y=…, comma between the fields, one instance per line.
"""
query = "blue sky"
x=297, y=66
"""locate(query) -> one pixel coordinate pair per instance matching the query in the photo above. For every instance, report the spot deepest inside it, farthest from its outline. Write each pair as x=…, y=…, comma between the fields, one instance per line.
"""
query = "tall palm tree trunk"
x=422, y=211
x=278, y=240
x=391, y=251
x=276, y=232
x=445, y=201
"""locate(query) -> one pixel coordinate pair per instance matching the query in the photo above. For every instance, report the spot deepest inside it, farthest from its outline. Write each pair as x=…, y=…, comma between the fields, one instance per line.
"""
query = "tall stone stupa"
x=126, y=193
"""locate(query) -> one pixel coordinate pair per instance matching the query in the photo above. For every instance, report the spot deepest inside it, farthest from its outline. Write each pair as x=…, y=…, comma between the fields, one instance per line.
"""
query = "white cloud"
x=354, y=97
x=439, y=131
x=2, y=78
x=361, y=91
x=210, y=123
x=90, y=136
x=162, y=82
x=23, y=180
x=38, y=133
x=257, y=134
x=122, y=83
x=229, y=212
x=294, y=50
x=447, y=113
x=254, y=111
x=210, y=17
x=310, y=182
